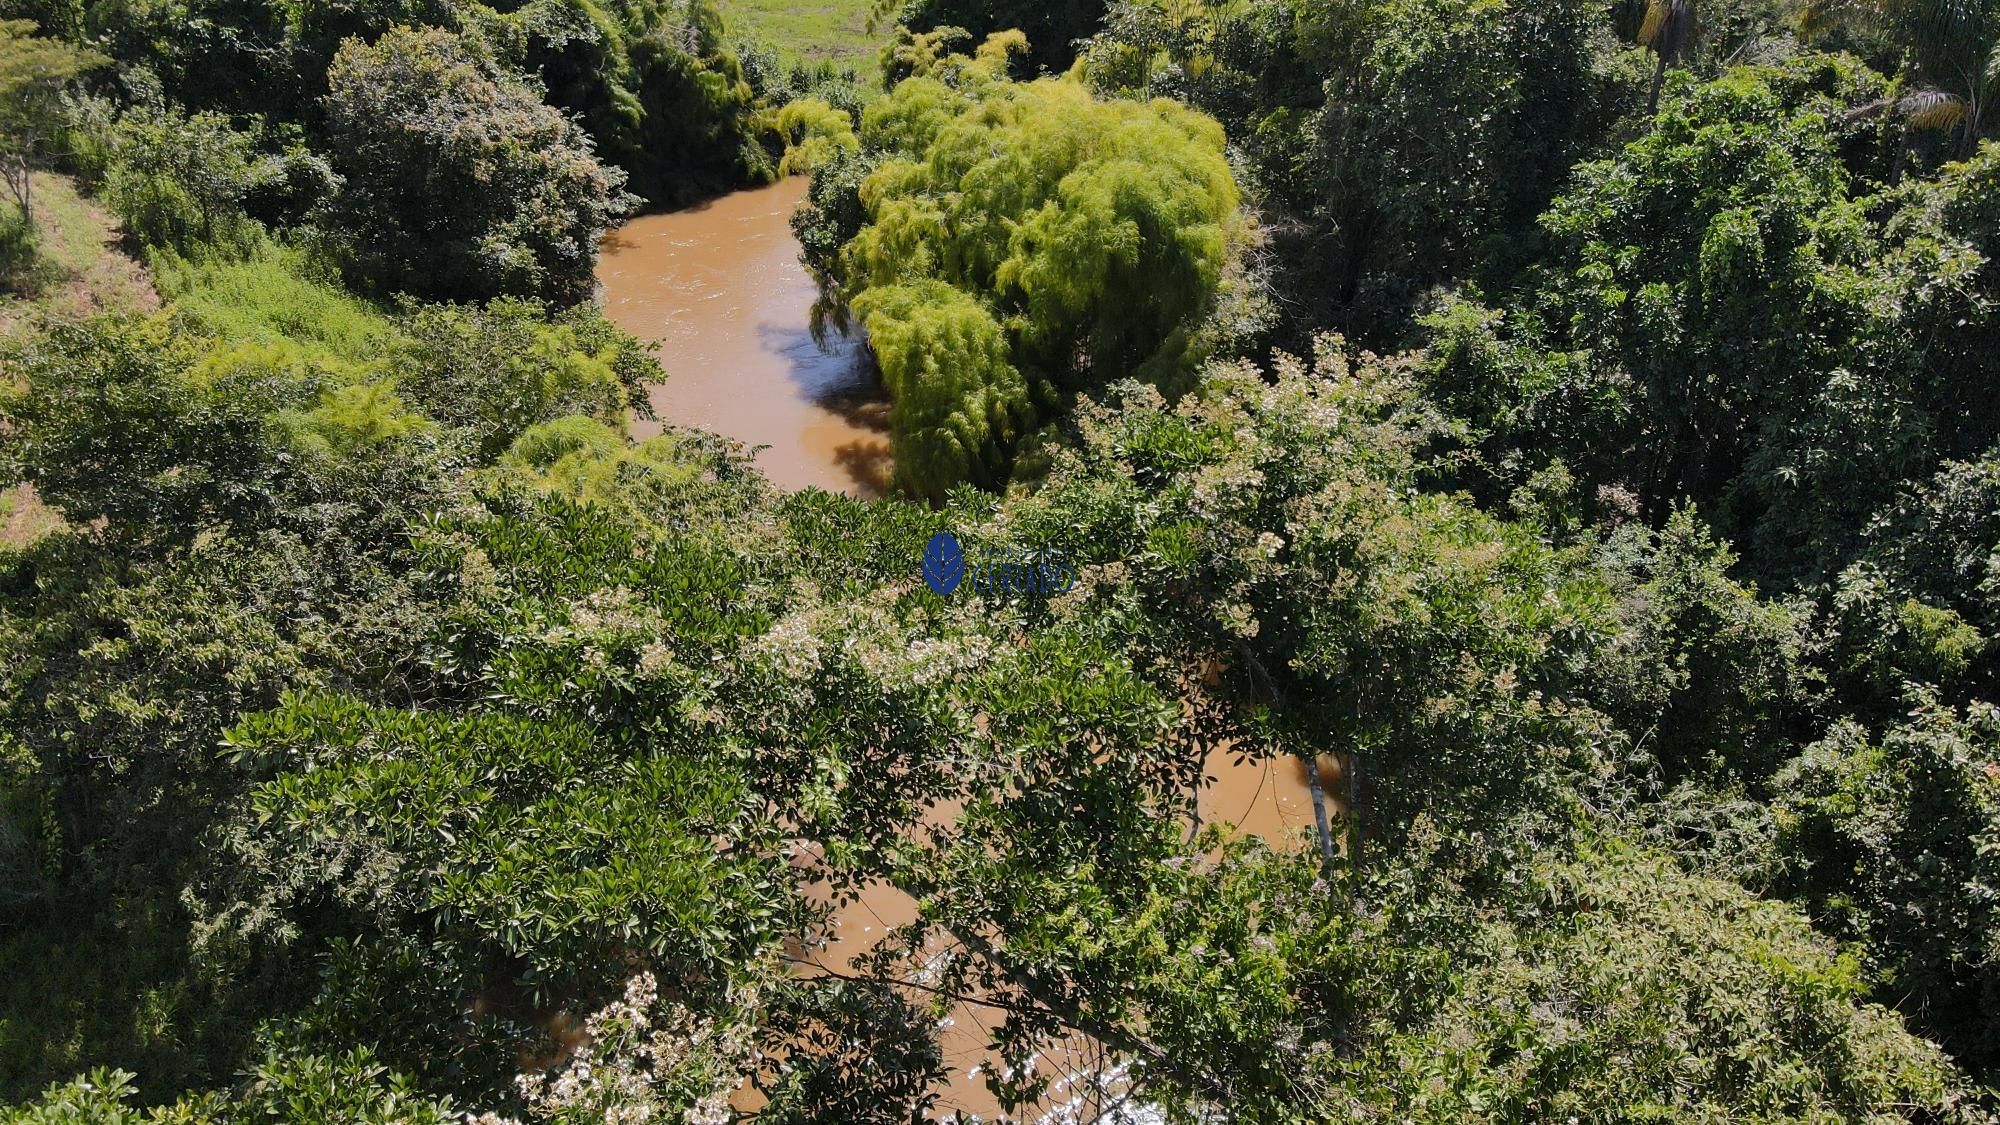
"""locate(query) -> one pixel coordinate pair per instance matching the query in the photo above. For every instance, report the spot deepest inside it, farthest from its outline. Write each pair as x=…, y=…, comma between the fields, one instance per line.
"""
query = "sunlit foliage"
x=496, y=370
x=812, y=132
x=388, y=736
x=1027, y=240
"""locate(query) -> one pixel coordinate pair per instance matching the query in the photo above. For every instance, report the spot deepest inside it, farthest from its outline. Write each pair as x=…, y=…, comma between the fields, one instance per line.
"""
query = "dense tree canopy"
x=388, y=734
x=656, y=85
x=1791, y=342
x=1392, y=145
x=605, y=698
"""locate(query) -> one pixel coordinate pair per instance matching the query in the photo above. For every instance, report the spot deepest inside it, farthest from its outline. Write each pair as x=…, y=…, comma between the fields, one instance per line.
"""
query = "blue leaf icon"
x=944, y=563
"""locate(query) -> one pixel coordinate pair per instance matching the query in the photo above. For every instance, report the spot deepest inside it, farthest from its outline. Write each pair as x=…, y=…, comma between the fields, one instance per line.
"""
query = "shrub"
x=179, y=181
x=495, y=371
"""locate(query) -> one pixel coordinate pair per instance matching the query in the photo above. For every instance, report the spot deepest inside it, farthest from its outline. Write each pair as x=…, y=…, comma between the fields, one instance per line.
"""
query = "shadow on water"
x=615, y=242
x=841, y=370
x=838, y=375
x=870, y=464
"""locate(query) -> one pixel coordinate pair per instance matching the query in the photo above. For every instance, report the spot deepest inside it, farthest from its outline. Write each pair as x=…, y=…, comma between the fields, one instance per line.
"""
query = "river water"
x=719, y=287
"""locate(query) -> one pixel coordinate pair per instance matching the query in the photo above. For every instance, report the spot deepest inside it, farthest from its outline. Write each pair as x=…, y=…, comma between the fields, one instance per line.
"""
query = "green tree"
x=813, y=132
x=497, y=757
x=1667, y=28
x=1063, y=242
x=459, y=182
x=1890, y=842
x=1956, y=45
x=194, y=503
x=1722, y=679
x=1391, y=145
x=180, y=182
x=1053, y=27
x=656, y=84
x=1730, y=301
x=496, y=370
x=957, y=404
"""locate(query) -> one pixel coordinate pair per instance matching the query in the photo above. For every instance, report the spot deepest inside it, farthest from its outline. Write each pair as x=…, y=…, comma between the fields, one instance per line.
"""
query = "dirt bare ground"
x=24, y=518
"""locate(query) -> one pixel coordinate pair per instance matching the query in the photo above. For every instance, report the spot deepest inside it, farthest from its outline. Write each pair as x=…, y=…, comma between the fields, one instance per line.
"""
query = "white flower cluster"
x=478, y=579
x=616, y=610
x=656, y=662
x=923, y=662
x=868, y=634
x=640, y=1062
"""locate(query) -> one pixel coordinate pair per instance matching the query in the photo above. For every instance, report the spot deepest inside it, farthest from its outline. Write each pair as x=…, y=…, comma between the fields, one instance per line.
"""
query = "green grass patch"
x=834, y=30
x=273, y=296
x=69, y=234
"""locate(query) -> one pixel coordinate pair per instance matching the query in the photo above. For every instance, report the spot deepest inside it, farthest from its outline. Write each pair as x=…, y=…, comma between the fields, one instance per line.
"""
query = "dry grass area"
x=23, y=518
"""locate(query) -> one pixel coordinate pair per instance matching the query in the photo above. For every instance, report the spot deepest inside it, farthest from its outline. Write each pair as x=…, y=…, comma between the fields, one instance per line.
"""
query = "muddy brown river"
x=719, y=287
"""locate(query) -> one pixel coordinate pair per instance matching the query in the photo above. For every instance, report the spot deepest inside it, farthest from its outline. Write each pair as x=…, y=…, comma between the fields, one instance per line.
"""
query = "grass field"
x=836, y=30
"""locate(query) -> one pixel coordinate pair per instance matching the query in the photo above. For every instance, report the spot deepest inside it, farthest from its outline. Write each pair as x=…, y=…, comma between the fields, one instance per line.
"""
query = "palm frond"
x=1817, y=17
x=1938, y=25
x=1932, y=109
x=1669, y=28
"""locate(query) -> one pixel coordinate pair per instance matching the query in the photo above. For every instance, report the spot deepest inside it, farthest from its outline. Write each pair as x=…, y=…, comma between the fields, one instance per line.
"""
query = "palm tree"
x=1669, y=31
x=1955, y=45
x=1954, y=55
x=1665, y=27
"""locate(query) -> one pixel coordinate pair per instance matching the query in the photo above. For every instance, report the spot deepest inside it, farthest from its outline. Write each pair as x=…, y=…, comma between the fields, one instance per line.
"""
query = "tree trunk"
x=20, y=186
x=1653, y=96
x=1354, y=799
x=1319, y=810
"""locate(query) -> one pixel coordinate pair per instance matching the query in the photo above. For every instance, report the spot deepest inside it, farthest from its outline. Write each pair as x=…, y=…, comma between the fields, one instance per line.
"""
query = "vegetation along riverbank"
x=1525, y=476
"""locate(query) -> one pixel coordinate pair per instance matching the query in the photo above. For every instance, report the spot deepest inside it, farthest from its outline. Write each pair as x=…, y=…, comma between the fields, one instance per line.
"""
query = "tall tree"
x=1666, y=27
x=460, y=182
